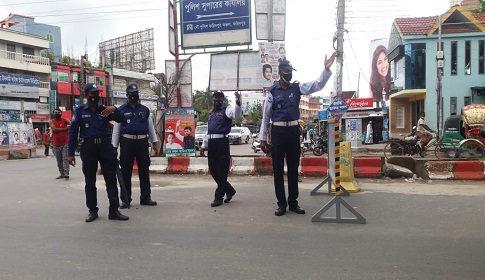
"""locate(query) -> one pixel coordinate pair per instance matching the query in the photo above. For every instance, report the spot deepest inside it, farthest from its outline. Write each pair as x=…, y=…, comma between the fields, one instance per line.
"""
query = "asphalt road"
x=415, y=230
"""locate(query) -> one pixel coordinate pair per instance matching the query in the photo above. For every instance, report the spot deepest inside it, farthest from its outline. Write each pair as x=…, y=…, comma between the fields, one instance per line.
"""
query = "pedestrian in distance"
x=281, y=106
x=132, y=137
x=47, y=141
x=369, y=138
x=90, y=122
x=216, y=142
x=60, y=127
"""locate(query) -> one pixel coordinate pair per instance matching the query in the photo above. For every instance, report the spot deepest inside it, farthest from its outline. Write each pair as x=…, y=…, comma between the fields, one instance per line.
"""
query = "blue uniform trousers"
x=129, y=150
x=103, y=153
x=285, y=143
x=219, y=159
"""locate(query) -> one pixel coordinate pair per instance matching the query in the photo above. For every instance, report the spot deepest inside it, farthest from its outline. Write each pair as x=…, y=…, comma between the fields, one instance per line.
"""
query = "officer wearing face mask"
x=132, y=136
x=60, y=127
x=217, y=145
x=91, y=123
x=281, y=106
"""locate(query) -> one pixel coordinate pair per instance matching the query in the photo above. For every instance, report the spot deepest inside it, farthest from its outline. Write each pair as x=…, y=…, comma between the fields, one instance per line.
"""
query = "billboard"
x=380, y=71
x=207, y=23
x=270, y=26
x=185, y=82
x=134, y=52
x=235, y=71
x=270, y=54
x=172, y=44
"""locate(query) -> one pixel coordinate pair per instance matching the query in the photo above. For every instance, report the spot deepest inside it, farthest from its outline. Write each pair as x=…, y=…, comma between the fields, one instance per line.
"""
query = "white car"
x=239, y=134
x=199, y=135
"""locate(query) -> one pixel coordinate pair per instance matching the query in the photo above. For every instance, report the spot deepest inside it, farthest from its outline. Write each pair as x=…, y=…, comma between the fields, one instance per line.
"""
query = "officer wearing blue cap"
x=91, y=123
x=135, y=132
x=281, y=106
x=217, y=143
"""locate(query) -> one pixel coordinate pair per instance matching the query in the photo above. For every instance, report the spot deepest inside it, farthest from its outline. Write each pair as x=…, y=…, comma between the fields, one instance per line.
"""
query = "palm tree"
x=202, y=100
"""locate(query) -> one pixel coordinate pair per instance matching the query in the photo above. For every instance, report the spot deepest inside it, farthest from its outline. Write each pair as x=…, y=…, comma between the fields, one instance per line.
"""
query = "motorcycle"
x=306, y=145
x=408, y=145
x=321, y=146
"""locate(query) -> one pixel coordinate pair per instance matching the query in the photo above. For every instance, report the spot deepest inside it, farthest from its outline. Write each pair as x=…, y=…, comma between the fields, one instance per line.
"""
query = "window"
x=400, y=117
x=50, y=37
x=75, y=77
x=454, y=59
x=63, y=77
x=468, y=100
x=11, y=49
x=54, y=76
x=91, y=79
x=468, y=57
x=453, y=105
x=481, y=53
x=27, y=51
x=100, y=81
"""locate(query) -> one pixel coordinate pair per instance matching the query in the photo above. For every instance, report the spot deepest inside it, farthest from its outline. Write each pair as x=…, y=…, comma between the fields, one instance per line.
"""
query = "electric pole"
x=339, y=37
x=440, y=64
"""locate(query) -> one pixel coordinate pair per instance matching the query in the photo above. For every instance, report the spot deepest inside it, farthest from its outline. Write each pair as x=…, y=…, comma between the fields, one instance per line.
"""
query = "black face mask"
x=134, y=97
x=93, y=99
x=287, y=77
x=217, y=103
x=57, y=116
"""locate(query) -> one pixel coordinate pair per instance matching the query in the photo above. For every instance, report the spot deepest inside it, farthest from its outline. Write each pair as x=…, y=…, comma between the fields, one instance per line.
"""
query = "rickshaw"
x=463, y=135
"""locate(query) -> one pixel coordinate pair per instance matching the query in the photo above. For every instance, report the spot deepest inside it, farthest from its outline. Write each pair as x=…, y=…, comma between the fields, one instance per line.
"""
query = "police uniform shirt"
x=89, y=124
x=282, y=104
x=220, y=121
x=138, y=122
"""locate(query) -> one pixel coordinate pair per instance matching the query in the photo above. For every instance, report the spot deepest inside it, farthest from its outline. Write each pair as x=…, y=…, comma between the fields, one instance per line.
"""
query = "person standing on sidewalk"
x=132, y=136
x=281, y=106
x=91, y=122
x=217, y=143
x=60, y=127
x=47, y=141
x=369, y=138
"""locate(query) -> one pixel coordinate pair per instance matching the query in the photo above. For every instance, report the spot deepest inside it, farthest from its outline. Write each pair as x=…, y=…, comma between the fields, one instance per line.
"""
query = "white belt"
x=130, y=136
x=290, y=123
x=215, y=136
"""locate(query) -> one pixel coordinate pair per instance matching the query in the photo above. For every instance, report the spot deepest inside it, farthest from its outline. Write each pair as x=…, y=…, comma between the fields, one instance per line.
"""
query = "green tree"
x=49, y=54
x=482, y=7
x=65, y=59
x=203, y=116
x=202, y=100
x=256, y=113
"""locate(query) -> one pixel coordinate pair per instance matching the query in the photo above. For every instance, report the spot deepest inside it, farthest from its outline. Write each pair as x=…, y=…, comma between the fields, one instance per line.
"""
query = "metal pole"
x=340, y=47
x=177, y=60
x=439, y=105
x=270, y=20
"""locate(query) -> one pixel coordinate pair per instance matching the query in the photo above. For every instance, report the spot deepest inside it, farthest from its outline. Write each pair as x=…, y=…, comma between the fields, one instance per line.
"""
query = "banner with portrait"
x=380, y=71
x=16, y=134
x=179, y=132
x=271, y=54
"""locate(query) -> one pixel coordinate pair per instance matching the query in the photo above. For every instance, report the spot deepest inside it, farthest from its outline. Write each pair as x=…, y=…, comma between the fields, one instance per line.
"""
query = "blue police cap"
x=131, y=88
x=286, y=65
x=218, y=93
x=91, y=88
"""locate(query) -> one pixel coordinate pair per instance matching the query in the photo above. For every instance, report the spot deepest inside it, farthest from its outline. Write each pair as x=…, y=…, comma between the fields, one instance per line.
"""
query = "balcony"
x=25, y=62
x=44, y=89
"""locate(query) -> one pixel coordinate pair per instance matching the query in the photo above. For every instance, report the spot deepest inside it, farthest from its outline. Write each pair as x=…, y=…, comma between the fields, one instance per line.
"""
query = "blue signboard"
x=202, y=19
x=19, y=80
x=338, y=108
x=323, y=115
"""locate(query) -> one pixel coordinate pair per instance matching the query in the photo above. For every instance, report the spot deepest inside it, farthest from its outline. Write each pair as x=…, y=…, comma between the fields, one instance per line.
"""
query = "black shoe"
x=124, y=205
x=148, y=202
x=280, y=211
x=216, y=203
x=118, y=216
x=91, y=217
x=297, y=209
x=229, y=196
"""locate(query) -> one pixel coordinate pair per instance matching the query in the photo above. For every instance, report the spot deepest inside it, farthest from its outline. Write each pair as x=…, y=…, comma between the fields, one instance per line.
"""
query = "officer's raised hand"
x=237, y=95
x=329, y=62
x=107, y=110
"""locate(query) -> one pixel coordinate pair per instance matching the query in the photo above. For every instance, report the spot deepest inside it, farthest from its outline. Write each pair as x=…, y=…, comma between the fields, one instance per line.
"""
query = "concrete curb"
x=364, y=167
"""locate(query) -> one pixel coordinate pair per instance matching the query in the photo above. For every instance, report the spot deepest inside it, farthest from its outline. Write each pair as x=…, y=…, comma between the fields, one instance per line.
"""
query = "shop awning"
x=415, y=94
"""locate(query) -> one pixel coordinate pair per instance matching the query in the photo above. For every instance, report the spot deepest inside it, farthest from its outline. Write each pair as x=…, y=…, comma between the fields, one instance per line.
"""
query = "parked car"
x=239, y=134
x=199, y=135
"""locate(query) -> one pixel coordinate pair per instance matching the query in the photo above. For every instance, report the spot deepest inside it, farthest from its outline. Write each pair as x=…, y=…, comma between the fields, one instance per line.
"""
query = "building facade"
x=24, y=87
x=413, y=48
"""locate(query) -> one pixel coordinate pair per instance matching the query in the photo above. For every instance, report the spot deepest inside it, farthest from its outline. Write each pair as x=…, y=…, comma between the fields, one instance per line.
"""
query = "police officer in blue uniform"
x=281, y=107
x=216, y=142
x=91, y=123
x=132, y=136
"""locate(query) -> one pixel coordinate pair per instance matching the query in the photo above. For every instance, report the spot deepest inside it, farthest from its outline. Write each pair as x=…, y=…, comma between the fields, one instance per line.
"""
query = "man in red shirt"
x=60, y=127
x=47, y=141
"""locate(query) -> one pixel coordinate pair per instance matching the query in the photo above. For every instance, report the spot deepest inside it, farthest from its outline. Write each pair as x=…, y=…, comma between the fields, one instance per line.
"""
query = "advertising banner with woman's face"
x=380, y=76
x=179, y=132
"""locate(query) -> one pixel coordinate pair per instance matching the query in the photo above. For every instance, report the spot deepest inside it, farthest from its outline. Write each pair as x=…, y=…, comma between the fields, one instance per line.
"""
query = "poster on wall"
x=179, y=132
x=17, y=134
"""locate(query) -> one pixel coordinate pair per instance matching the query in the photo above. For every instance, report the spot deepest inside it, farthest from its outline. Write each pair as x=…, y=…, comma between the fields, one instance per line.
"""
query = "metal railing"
x=45, y=85
x=26, y=58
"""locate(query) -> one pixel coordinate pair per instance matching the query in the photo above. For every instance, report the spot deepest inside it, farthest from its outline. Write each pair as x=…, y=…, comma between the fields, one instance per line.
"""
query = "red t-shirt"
x=60, y=137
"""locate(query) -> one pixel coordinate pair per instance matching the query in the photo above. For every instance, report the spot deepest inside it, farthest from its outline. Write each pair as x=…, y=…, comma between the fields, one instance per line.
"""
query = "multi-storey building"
x=24, y=87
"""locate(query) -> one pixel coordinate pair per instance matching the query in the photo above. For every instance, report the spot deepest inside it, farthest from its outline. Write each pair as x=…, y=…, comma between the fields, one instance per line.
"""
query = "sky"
x=310, y=27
